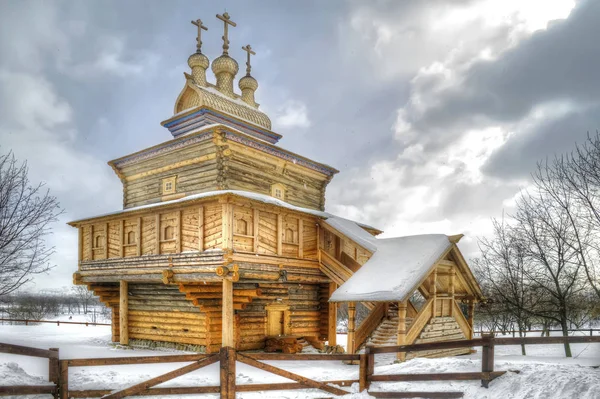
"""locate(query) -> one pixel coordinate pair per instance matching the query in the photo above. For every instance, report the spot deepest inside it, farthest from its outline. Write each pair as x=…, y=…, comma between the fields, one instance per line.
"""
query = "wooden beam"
x=201, y=228
x=158, y=234
x=138, y=237
x=179, y=230
x=351, y=327
x=279, y=234
x=471, y=316
x=227, y=314
x=434, y=292
x=121, y=235
x=80, y=247
x=451, y=289
x=255, y=230
x=332, y=317
x=401, y=338
x=106, y=240
x=300, y=238
x=123, y=313
x=227, y=226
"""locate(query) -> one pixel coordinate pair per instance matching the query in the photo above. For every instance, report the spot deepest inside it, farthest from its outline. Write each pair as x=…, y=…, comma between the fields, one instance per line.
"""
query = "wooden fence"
x=525, y=332
x=227, y=358
x=57, y=322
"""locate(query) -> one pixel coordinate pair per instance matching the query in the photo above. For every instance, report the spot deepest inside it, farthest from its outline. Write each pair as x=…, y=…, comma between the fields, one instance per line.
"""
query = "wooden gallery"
x=223, y=241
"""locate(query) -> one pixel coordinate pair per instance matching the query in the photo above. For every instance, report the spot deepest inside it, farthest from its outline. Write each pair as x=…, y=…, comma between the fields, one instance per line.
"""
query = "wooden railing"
x=57, y=322
x=420, y=321
x=369, y=324
x=460, y=319
x=334, y=269
x=227, y=358
x=53, y=371
x=525, y=332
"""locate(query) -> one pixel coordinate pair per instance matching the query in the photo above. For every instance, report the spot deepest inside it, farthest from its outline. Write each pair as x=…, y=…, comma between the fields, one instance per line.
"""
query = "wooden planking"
x=149, y=235
x=267, y=240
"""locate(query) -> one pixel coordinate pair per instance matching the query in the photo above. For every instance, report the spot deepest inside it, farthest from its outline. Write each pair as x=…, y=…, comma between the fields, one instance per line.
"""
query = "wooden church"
x=223, y=240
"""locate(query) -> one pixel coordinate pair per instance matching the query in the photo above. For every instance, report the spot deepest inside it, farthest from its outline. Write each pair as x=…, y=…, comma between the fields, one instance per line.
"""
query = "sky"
x=434, y=112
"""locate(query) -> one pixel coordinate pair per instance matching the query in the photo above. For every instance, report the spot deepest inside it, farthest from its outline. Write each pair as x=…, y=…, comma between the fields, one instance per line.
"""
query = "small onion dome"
x=198, y=60
x=248, y=82
x=225, y=64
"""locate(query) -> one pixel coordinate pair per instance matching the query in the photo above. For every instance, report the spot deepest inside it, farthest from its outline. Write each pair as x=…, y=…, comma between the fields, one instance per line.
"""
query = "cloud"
x=292, y=114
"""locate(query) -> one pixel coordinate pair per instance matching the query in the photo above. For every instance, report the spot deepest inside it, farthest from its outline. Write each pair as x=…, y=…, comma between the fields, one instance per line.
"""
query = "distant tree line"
x=53, y=304
x=541, y=267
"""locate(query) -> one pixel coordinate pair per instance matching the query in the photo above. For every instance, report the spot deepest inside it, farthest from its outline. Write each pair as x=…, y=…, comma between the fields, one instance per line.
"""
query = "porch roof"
x=395, y=270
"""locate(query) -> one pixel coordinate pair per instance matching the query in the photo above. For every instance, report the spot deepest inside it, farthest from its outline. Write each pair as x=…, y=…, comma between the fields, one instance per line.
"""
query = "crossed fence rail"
x=227, y=358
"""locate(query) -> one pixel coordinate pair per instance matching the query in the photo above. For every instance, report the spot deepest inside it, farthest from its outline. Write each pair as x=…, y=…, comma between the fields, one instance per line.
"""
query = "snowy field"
x=546, y=373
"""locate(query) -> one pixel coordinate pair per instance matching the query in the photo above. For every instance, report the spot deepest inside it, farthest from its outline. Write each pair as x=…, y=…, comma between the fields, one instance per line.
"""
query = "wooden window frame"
x=169, y=181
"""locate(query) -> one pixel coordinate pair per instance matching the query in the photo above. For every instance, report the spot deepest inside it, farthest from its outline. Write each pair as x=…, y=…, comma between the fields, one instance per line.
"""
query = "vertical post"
x=279, y=234
x=401, y=338
x=300, y=239
x=332, y=316
x=434, y=292
x=54, y=369
x=487, y=358
x=64, y=379
x=256, y=229
x=228, y=356
x=471, y=315
x=201, y=228
x=179, y=230
x=370, y=364
x=362, y=373
x=106, y=241
x=121, y=238
x=227, y=315
x=451, y=289
x=80, y=245
x=227, y=226
x=351, y=326
x=123, y=313
x=138, y=237
x=158, y=234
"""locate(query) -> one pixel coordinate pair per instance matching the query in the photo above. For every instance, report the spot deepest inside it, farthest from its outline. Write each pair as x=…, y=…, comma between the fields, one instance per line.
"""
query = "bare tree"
x=26, y=213
x=85, y=297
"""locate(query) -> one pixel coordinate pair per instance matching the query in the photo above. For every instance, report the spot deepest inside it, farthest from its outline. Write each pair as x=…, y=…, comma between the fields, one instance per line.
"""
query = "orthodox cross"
x=248, y=49
x=226, y=20
x=198, y=23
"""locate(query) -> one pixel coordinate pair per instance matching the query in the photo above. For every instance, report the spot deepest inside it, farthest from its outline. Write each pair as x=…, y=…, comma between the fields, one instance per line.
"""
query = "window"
x=168, y=185
x=131, y=237
x=99, y=242
x=169, y=233
x=278, y=191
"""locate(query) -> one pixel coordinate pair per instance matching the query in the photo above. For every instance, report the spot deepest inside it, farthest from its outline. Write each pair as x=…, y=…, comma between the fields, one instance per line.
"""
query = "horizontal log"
x=96, y=393
x=26, y=389
x=438, y=376
x=301, y=356
x=27, y=351
x=288, y=386
x=114, y=361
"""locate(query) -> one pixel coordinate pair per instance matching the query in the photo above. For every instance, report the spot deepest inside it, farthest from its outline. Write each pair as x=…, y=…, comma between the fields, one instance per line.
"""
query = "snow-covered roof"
x=347, y=227
x=394, y=270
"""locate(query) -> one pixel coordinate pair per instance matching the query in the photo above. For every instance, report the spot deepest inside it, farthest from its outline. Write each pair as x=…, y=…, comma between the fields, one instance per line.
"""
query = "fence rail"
x=513, y=332
x=57, y=322
x=227, y=358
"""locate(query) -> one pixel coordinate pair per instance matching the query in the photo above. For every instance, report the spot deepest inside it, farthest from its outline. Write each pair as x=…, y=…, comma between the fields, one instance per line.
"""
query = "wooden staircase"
x=387, y=332
x=437, y=330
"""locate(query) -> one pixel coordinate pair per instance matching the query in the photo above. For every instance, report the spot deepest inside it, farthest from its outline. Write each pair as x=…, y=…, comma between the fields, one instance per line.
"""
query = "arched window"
x=131, y=237
x=289, y=236
x=241, y=227
x=169, y=232
x=98, y=241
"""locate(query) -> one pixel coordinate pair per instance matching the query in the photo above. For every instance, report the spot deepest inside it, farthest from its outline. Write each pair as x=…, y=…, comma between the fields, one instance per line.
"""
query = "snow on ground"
x=544, y=374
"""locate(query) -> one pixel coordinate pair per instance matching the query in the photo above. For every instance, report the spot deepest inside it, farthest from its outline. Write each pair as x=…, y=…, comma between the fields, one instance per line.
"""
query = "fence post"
x=370, y=366
x=63, y=388
x=487, y=359
x=362, y=372
x=54, y=371
x=227, y=356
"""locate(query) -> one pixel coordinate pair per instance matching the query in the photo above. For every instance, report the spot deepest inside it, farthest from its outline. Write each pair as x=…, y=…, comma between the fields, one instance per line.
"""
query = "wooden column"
x=279, y=234
x=434, y=292
x=201, y=228
x=471, y=315
x=138, y=237
x=80, y=246
x=121, y=238
x=106, y=253
x=123, y=313
x=451, y=290
x=227, y=228
x=351, y=326
x=178, y=230
x=227, y=316
x=300, y=239
x=256, y=228
x=158, y=234
x=401, y=339
x=332, y=315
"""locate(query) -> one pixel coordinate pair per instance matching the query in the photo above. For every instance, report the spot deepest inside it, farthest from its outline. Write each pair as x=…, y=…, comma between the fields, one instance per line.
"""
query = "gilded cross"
x=227, y=21
x=198, y=23
x=248, y=49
